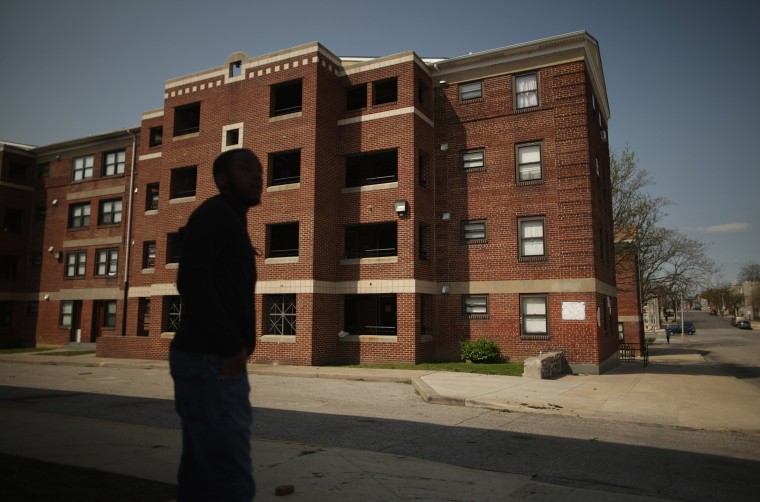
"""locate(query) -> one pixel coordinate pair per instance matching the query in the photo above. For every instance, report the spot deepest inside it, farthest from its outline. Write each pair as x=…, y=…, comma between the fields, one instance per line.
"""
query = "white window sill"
x=369, y=338
x=172, y=266
x=151, y=270
x=369, y=188
x=181, y=200
x=279, y=338
x=280, y=261
x=281, y=188
x=369, y=261
x=167, y=335
x=286, y=116
x=151, y=212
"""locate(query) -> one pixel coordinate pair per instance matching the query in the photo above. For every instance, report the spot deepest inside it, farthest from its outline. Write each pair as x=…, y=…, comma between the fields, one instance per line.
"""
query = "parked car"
x=744, y=324
x=713, y=312
x=673, y=329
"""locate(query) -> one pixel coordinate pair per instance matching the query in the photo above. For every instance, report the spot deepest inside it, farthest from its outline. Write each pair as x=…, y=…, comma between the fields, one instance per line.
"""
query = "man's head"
x=237, y=173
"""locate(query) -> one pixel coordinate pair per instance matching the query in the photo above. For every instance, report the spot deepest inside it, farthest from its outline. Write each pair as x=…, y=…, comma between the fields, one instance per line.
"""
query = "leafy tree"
x=671, y=265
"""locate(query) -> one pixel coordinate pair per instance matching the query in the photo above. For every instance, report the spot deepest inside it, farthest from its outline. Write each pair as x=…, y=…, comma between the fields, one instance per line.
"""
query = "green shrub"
x=479, y=351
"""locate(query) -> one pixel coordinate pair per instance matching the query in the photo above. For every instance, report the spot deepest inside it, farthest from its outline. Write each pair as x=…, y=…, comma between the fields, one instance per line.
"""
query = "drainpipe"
x=128, y=244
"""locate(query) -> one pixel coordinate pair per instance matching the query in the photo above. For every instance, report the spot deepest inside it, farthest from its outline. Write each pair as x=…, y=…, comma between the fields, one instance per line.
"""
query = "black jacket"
x=216, y=279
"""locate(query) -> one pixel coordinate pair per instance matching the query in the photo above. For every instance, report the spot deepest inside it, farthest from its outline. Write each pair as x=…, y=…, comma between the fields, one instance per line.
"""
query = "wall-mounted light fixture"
x=446, y=216
x=50, y=249
x=57, y=255
x=401, y=207
x=444, y=147
x=55, y=202
x=445, y=290
x=47, y=297
x=442, y=82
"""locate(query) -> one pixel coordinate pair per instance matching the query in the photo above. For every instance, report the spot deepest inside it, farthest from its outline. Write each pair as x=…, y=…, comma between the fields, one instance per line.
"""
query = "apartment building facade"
x=409, y=204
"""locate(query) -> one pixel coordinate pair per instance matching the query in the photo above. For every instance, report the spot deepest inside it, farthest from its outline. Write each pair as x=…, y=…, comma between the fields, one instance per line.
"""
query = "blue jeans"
x=216, y=430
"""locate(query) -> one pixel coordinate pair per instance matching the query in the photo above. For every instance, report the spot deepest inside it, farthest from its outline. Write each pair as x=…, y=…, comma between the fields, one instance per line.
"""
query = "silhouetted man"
x=209, y=353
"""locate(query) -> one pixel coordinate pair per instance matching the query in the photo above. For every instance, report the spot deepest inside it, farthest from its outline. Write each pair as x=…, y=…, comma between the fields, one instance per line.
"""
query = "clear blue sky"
x=683, y=77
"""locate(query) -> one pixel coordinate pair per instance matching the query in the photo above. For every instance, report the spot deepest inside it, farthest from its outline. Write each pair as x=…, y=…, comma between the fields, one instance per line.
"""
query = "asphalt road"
x=670, y=462
x=736, y=351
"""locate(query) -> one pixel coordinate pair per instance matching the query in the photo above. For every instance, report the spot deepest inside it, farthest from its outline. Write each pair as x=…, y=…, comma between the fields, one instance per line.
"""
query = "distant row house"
x=409, y=204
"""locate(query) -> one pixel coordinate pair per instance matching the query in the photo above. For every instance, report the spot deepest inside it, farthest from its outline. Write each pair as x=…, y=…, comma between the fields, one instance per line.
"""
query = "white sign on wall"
x=573, y=311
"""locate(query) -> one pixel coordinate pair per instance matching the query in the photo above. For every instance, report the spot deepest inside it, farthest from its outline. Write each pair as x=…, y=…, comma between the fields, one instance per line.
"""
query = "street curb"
x=431, y=396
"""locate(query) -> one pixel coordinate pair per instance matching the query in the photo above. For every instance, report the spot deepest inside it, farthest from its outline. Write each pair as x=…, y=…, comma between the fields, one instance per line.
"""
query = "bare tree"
x=750, y=272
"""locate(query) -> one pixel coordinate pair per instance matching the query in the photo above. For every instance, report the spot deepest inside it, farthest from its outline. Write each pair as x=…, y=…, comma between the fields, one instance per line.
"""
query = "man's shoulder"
x=214, y=206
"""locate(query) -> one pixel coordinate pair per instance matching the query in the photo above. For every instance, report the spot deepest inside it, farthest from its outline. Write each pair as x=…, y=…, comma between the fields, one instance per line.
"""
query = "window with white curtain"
x=526, y=91
x=529, y=165
x=532, y=237
x=534, y=320
x=474, y=231
x=473, y=159
x=475, y=305
x=471, y=90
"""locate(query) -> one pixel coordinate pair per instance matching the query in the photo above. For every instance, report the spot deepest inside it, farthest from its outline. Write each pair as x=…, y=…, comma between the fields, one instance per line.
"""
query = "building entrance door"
x=75, y=335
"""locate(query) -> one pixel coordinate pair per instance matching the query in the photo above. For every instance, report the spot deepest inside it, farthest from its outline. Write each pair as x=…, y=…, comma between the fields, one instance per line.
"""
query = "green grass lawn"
x=24, y=350
x=507, y=369
x=26, y=480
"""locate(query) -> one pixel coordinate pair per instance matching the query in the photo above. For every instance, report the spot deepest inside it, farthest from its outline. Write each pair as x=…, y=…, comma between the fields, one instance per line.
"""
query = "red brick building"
x=409, y=204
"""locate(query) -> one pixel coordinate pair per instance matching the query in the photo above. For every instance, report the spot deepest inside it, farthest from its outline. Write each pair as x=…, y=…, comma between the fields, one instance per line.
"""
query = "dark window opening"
x=424, y=238
x=372, y=168
x=173, y=247
x=385, y=91
x=287, y=98
x=232, y=137
x=43, y=169
x=356, y=97
x=371, y=240
x=187, y=119
x=286, y=167
x=36, y=259
x=40, y=213
x=370, y=315
x=283, y=240
x=281, y=314
x=6, y=314
x=12, y=223
x=426, y=314
x=422, y=92
x=423, y=169
x=236, y=68
x=151, y=196
x=8, y=266
x=17, y=172
x=32, y=307
x=183, y=182
x=156, y=137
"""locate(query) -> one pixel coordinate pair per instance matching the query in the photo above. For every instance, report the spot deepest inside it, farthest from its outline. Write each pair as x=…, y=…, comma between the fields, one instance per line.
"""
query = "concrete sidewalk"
x=677, y=388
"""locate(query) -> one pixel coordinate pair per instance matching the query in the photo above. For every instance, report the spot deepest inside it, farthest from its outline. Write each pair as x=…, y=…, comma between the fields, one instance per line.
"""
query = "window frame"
x=525, y=317
x=471, y=302
x=472, y=239
x=522, y=240
x=174, y=189
x=187, y=119
x=118, y=164
x=275, y=228
x=12, y=220
x=282, y=322
x=109, y=314
x=369, y=165
x=385, y=91
x=520, y=164
x=85, y=168
x=152, y=194
x=355, y=95
x=112, y=216
x=64, y=313
x=174, y=246
x=284, y=161
x=155, y=136
x=108, y=259
x=364, y=234
x=517, y=93
x=278, y=94
x=76, y=268
x=464, y=94
x=147, y=263
x=82, y=220
x=473, y=165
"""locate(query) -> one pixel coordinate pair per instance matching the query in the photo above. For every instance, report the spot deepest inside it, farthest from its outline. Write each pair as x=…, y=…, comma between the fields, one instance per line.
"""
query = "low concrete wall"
x=546, y=365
